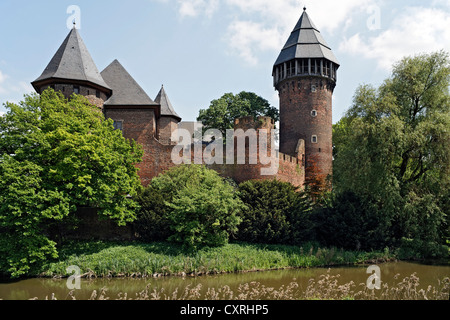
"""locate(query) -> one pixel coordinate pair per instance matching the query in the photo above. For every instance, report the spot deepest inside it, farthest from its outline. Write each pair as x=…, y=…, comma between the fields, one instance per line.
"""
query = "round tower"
x=305, y=77
x=72, y=70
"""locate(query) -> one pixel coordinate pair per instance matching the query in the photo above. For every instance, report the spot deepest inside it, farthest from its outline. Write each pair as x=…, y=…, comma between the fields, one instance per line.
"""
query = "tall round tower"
x=305, y=77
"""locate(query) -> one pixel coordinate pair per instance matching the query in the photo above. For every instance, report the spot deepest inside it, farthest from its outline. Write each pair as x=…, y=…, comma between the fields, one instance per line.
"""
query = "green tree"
x=223, y=111
x=392, y=147
x=57, y=155
x=201, y=207
x=276, y=213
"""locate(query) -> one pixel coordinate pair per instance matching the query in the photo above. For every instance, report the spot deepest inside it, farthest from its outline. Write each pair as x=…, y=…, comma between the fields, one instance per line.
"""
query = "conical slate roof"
x=72, y=61
x=126, y=91
x=166, y=107
x=305, y=42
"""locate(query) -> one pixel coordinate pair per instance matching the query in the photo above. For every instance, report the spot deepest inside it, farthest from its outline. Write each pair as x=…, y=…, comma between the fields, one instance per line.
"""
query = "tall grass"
x=101, y=259
x=327, y=287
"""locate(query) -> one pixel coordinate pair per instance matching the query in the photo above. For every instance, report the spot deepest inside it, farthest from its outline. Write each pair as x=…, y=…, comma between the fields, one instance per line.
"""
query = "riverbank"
x=110, y=259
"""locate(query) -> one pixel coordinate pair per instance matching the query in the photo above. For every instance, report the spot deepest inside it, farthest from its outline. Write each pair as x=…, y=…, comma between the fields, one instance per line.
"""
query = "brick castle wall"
x=94, y=96
x=306, y=111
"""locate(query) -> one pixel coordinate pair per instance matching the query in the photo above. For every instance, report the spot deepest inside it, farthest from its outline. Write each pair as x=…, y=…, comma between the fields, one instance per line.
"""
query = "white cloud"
x=272, y=21
x=415, y=30
x=194, y=8
x=2, y=80
x=244, y=37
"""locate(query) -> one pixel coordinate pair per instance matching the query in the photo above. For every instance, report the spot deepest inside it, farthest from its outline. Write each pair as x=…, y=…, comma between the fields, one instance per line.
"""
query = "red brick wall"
x=138, y=124
x=297, y=101
x=89, y=92
x=290, y=168
x=166, y=125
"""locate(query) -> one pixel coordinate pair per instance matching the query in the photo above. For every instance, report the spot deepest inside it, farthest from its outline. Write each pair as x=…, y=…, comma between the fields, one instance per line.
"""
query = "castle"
x=304, y=76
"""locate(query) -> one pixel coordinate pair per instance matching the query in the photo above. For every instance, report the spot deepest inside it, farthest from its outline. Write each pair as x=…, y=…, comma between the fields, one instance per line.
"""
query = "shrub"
x=276, y=213
x=200, y=207
x=420, y=249
x=351, y=223
x=152, y=223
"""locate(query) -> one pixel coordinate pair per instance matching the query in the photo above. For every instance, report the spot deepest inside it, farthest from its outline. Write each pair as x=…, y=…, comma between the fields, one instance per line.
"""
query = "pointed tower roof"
x=305, y=41
x=166, y=107
x=126, y=91
x=72, y=61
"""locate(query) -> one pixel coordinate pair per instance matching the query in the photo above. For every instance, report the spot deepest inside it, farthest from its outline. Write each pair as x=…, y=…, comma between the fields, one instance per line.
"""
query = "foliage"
x=276, y=213
x=392, y=150
x=152, y=223
x=417, y=249
x=351, y=223
x=223, y=111
x=202, y=209
x=56, y=155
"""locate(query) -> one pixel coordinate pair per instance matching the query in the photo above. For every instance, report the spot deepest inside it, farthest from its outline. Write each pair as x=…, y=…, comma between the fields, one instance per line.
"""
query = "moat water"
x=391, y=273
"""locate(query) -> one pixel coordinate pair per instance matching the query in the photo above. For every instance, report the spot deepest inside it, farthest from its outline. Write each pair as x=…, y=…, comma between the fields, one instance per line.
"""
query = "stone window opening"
x=118, y=125
x=314, y=113
x=313, y=88
x=314, y=139
x=76, y=89
x=97, y=93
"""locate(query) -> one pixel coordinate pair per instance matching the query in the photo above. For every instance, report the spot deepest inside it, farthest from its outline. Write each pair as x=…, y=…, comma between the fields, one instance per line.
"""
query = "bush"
x=419, y=249
x=200, y=208
x=276, y=213
x=351, y=223
x=152, y=223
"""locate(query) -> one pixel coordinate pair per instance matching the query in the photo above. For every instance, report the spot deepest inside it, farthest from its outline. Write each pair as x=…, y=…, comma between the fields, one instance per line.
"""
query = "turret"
x=72, y=70
x=305, y=75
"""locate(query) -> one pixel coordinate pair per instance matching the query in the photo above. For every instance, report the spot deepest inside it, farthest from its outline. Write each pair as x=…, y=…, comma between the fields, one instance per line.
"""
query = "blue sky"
x=201, y=49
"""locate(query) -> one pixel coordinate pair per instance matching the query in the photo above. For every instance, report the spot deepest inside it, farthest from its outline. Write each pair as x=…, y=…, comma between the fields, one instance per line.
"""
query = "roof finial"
x=304, y=8
x=74, y=24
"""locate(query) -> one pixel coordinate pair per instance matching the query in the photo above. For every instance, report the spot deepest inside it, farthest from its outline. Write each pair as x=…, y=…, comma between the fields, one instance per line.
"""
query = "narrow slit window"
x=314, y=113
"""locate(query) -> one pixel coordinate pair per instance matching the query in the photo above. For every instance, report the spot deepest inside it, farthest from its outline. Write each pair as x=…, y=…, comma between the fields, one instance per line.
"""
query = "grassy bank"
x=109, y=259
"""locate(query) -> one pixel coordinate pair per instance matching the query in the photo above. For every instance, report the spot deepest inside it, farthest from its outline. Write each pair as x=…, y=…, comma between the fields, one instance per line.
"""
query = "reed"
x=327, y=287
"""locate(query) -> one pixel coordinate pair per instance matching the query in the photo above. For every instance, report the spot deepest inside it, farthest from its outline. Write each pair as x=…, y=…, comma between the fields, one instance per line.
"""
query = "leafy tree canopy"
x=223, y=111
x=393, y=145
x=57, y=155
